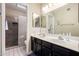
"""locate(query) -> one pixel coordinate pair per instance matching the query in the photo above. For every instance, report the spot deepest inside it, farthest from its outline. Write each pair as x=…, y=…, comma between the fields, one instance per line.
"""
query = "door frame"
x=29, y=25
x=3, y=28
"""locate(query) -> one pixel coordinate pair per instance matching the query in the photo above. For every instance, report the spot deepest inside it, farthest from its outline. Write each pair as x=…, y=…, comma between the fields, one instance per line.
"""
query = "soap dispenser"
x=67, y=37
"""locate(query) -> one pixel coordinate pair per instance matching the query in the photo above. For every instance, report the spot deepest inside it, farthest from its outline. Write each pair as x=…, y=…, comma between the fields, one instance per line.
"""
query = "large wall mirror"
x=38, y=20
x=43, y=21
x=64, y=20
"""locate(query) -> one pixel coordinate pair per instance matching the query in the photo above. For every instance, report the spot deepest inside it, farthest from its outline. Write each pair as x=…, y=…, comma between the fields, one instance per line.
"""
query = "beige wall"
x=36, y=8
x=67, y=20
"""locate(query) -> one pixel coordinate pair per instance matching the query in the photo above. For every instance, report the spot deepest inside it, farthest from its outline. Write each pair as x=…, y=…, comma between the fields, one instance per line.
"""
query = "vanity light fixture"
x=35, y=15
x=21, y=6
x=45, y=8
x=50, y=5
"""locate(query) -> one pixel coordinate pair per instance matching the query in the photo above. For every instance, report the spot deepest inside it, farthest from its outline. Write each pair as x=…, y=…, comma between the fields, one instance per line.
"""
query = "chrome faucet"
x=50, y=28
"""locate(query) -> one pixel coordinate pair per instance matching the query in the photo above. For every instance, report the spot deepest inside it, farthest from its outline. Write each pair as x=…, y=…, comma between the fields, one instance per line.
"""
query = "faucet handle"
x=69, y=33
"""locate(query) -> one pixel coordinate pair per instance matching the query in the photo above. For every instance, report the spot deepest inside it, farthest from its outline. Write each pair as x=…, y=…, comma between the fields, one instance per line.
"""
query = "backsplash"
x=39, y=30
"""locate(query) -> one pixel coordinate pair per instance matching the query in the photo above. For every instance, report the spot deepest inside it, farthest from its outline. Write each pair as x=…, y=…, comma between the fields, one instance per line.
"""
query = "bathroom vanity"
x=43, y=46
x=63, y=24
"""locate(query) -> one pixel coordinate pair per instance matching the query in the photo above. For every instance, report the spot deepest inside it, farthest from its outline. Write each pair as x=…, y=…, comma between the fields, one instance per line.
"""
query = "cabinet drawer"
x=46, y=44
x=38, y=41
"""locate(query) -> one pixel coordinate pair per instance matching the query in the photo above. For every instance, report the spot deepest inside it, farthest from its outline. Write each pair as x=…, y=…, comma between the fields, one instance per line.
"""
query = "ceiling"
x=11, y=8
x=14, y=6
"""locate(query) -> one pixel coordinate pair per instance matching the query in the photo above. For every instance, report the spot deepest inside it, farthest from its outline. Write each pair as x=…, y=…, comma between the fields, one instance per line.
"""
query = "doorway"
x=15, y=23
x=11, y=32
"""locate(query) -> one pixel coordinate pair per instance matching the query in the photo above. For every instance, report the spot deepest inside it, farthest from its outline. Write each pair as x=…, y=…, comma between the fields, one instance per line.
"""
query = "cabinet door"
x=33, y=44
x=38, y=49
x=60, y=51
x=35, y=47
x=46, y=51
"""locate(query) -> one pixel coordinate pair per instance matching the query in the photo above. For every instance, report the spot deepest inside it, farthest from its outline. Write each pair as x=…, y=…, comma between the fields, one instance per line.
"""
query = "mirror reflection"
x=64, y=20
x=43, y=21
x=35, y=20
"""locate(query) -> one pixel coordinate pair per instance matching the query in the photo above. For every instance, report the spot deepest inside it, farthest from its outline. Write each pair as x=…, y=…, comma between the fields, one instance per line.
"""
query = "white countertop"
x=72, y=44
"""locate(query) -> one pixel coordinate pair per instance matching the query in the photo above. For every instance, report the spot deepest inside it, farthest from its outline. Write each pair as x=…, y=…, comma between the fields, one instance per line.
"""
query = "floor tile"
x=15, y=51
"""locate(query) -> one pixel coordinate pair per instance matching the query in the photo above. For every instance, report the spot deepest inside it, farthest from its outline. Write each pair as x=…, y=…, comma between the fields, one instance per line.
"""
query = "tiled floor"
x=15, y=51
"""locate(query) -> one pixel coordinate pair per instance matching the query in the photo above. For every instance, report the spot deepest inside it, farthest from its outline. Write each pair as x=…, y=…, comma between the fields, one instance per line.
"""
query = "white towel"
x=6, y=25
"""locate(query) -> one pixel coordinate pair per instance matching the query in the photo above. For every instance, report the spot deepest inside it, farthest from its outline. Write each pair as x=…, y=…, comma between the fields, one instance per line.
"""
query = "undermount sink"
x=67, y=42
x=63, y=38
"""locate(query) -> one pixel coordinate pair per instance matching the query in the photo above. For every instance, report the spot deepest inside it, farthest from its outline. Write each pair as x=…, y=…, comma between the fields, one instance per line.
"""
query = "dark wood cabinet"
x=46, y=44
x=45, y=51
x=36, y=46
x=33, y=44
x=58, y=50
x=43, y=48
x=38, y=50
